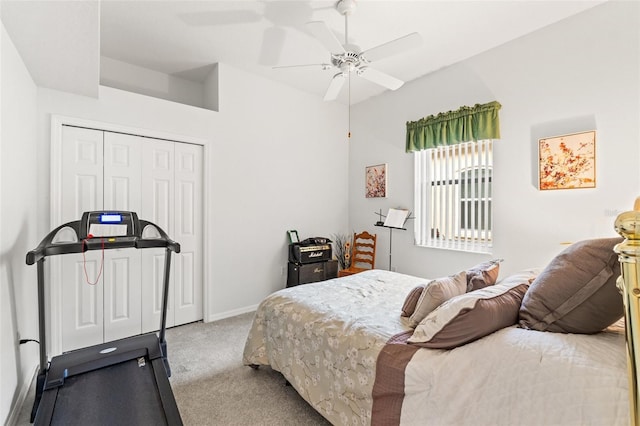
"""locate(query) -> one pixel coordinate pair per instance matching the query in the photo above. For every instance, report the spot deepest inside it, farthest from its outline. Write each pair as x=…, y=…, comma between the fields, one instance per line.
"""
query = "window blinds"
x=453, y=196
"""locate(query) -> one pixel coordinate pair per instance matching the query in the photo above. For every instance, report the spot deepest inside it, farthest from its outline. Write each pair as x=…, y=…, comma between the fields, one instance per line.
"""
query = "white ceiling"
x=59, y=42
x=185, y=38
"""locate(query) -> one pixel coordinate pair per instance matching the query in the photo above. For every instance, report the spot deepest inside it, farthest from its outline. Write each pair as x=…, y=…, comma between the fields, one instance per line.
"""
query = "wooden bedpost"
x=628, y=226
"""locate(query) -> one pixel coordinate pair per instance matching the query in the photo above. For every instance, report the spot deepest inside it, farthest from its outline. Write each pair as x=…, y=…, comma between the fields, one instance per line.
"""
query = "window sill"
x=466, y=247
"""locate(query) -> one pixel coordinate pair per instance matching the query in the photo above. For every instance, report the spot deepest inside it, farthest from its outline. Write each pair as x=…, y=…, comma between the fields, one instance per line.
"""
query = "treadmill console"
x=101, y=230
x=109, y=224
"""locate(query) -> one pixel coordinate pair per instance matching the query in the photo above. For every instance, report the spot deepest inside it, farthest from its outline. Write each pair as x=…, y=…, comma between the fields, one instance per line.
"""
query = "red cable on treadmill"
x=84, y=260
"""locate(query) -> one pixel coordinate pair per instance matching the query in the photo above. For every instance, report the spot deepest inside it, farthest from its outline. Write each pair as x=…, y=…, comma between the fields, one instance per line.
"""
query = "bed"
x=344, y=345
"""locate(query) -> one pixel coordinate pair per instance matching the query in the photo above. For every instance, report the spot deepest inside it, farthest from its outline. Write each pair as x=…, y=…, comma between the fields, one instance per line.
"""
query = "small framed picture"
x=293, y=236
x=376, y=181
x=567, y=161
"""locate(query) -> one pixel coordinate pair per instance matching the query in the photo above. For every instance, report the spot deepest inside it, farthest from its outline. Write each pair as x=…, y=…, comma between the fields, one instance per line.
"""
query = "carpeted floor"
x=212, y=387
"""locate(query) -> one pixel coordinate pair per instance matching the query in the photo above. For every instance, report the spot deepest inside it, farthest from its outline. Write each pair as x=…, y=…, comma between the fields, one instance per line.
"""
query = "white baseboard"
x=231, y=313
x=14, y=414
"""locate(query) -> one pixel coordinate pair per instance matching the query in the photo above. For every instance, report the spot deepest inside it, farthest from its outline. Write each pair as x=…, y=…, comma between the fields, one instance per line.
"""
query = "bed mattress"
x=326, y=338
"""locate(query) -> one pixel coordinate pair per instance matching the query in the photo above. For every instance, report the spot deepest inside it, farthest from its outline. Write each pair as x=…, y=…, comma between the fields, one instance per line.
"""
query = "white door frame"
x=52, y=292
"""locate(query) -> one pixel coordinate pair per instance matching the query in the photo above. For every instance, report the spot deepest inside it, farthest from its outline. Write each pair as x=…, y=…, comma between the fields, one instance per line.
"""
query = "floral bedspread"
x=325, y=338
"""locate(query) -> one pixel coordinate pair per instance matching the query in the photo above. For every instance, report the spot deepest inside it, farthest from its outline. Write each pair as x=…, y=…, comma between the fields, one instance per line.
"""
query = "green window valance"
x=449, y=128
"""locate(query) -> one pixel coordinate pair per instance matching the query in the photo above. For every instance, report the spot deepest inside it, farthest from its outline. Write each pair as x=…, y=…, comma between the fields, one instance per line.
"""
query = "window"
x=453, y=196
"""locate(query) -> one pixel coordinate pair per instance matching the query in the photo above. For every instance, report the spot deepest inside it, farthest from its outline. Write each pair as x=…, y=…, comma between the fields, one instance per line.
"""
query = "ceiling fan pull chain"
x=349, y=109
x=346, y=42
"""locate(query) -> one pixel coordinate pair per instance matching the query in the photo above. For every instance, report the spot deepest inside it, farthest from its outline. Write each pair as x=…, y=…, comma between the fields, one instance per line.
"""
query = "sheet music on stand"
x=396, y=218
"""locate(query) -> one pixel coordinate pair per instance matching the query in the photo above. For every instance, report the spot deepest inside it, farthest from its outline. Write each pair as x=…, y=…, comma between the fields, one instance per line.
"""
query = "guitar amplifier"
x=309, y=253
x=311, y=272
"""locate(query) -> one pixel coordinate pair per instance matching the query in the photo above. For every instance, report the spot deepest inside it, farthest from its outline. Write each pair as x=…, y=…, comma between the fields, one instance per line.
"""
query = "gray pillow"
x=483, y=274
x=472, y=315
x=436, y=292
x=410, y=302
x=576, y=292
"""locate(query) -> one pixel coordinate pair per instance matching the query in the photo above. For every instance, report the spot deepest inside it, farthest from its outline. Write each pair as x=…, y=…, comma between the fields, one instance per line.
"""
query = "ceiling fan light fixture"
x=346, y=7
x=348, y=58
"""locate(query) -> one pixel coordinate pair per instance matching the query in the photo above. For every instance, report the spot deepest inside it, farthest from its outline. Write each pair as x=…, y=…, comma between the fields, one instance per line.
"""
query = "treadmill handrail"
x=48, y=248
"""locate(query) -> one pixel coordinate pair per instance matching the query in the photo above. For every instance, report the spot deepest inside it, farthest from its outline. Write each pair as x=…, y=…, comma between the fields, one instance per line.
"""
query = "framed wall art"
x=376, y=181
x=567, y=161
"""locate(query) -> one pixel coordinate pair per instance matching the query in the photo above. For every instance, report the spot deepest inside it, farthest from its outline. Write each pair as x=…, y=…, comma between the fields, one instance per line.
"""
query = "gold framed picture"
x=567, y=161
x=376, y=181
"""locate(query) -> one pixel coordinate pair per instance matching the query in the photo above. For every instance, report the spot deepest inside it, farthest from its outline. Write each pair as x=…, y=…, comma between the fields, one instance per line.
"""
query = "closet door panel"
x=158, y=199
x=82, y=311
x=153, y=265
x=82, y=178
x=122, y=174
x=122, y=295
x=122, y=286
x=77, y=304
x=188, y=232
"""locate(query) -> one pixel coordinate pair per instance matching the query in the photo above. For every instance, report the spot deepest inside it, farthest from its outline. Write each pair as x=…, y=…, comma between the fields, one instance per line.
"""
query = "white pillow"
x=473, y=315
x=435, y=293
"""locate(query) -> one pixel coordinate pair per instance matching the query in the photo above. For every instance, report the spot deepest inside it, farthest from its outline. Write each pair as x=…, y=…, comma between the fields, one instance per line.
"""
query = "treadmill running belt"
x=121, y=394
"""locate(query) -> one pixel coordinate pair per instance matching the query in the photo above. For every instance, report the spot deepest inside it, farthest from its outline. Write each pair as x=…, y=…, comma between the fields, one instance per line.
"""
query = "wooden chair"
x=363, y=254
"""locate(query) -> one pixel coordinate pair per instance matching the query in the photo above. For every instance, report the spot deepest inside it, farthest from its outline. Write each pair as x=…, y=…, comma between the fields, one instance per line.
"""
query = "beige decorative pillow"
x=576, y=292
x=473, y=315
x=483, y=274
x=435, y=293
x=411, y=301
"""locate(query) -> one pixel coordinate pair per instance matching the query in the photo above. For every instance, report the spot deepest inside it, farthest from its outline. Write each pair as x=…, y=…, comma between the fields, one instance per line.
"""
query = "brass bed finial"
x=628, y=226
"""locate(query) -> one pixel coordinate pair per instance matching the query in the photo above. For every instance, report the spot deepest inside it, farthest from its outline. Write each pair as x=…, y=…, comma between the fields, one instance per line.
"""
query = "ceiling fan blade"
x=378, y=77
x=334, y=87
x=390, y=48
x=324, y=66
x=221, y=17
x=324, y=35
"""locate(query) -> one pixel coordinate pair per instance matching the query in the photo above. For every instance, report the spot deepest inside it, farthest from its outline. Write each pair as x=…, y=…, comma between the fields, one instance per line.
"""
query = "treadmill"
x=123, y=382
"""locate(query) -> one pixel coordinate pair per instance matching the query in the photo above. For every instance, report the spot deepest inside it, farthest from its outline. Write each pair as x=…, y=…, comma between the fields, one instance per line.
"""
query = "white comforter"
x=325, y=338
x=520, y=377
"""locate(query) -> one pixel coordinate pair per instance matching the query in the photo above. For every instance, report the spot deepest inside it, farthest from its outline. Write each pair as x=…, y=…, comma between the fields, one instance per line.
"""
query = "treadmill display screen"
x=111, y=218
x=109, y=224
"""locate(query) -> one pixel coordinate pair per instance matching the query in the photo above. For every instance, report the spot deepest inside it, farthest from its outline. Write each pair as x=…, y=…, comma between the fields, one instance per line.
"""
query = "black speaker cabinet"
x=311, y=272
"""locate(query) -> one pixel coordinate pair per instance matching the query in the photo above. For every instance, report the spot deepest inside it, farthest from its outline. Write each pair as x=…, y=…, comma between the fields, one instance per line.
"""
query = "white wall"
x=280, y=162
x=580, y=74
x=132, y=78
x=18, y=226
x=276, y=162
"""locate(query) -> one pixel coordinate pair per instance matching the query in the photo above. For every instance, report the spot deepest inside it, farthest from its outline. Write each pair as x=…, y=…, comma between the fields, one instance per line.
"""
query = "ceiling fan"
x=348, y=58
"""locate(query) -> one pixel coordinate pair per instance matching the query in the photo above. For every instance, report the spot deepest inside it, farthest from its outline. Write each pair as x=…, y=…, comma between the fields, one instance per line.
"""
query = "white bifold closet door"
x=172, y=177
x=162, y=182
x=122, y=188
x=158, y=201
x=80, y=304
x=188, y=231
